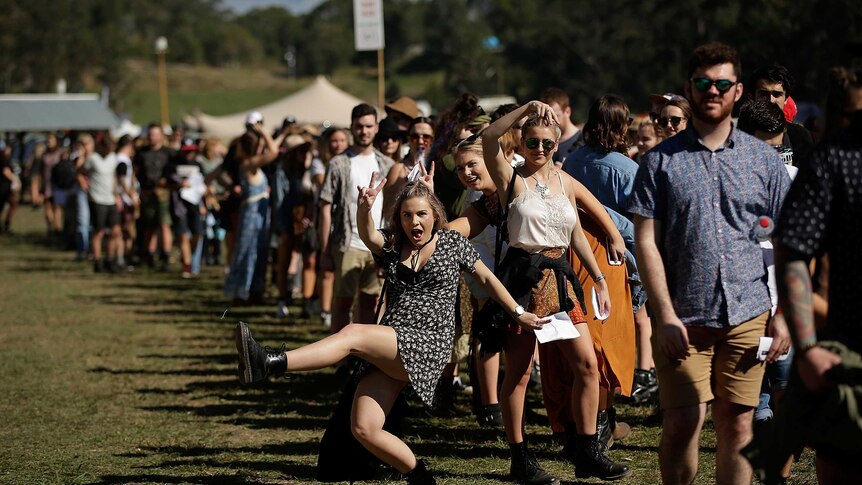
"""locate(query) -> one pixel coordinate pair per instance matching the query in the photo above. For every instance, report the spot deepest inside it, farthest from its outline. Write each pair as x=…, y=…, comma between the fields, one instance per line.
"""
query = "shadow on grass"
x=161, y=478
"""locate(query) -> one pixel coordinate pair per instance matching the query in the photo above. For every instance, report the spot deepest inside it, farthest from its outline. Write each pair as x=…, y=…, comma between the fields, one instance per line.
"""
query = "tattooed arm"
x=795, y=297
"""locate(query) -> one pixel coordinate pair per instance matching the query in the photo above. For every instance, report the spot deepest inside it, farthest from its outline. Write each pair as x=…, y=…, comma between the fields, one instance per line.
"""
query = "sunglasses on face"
x=388, y=138
x=533, y=143
x=673, y=120
x=416, y=136
x=765, y=93
x=703, y=84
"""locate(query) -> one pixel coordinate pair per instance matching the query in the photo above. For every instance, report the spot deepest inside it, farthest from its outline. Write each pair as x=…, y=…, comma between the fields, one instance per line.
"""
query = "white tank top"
x=537, y=223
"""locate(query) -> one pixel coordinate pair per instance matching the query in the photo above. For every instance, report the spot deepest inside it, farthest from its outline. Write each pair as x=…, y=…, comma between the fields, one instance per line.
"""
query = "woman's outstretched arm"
x=499, y=293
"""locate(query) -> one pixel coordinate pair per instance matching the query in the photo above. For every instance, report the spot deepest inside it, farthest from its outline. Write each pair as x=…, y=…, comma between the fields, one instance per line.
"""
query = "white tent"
x=319, y=103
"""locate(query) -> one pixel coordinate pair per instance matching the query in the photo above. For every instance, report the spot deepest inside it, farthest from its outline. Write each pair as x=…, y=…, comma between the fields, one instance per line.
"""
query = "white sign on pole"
x=368, y=24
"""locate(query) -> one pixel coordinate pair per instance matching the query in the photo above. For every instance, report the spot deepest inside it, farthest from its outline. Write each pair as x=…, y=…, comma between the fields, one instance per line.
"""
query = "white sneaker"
x=326, y=317
x=281, y=310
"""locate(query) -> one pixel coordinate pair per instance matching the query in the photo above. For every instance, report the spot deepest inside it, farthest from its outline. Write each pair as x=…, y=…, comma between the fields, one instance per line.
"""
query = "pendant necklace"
x=414, y=253
x=541, y=188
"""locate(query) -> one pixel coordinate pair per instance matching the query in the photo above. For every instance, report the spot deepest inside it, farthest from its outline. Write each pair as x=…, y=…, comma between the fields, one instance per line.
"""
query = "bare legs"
x=678, y=446
x=581, y=357
x=643, y=327
x=519, y=358
x=678, y=450
x=341, y=311
x=375, y=343
x=375, y=396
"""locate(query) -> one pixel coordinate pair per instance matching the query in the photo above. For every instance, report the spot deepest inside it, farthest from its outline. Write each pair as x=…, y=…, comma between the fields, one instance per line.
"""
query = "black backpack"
x=63, y=174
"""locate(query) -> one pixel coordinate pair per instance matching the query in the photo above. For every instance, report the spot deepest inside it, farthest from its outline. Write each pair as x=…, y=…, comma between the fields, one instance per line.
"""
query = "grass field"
x=131, y=379
x=227, y=90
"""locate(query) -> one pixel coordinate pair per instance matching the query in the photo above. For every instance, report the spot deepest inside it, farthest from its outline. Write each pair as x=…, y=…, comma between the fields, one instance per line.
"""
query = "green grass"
x=131, y=379
x=228, y=90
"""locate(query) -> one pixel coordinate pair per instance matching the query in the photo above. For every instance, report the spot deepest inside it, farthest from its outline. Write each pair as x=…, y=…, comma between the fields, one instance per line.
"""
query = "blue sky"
x=295, y=6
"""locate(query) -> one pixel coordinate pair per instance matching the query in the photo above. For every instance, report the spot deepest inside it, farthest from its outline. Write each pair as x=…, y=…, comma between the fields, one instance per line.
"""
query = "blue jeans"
x=82, y=222
x=775, y=379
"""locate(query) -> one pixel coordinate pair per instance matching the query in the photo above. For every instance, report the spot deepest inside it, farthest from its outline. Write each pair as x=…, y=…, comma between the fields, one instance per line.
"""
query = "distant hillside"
x=228, y=90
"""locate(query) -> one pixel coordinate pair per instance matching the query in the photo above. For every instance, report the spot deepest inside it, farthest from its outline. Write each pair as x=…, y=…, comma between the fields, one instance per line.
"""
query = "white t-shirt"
x=361, y=169
x=123, y=159
x=103, y=178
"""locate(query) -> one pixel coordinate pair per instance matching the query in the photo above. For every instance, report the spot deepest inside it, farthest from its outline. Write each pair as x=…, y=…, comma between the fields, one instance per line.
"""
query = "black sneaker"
x=257, y=363
x=645, y=385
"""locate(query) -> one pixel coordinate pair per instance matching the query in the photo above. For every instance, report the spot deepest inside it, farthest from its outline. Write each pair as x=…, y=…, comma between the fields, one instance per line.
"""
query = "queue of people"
x=644, y=243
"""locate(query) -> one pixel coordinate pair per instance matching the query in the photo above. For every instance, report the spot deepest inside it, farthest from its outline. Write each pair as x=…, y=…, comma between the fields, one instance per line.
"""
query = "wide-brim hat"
x=388, y=127
x=295, y=141
x=405, y=105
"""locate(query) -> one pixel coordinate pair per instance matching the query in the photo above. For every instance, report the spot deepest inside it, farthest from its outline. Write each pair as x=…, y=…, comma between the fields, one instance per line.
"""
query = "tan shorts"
x=723, y=363
x=355, y=271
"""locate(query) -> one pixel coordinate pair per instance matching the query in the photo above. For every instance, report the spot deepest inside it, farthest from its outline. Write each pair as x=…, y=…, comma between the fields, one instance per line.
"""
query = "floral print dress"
x=421, y=308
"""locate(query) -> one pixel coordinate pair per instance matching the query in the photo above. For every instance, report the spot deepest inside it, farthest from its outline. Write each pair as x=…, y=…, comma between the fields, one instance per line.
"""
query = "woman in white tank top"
x=543, y=224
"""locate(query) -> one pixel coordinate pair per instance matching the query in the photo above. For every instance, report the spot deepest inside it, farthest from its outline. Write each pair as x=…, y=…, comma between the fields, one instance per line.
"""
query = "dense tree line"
x=630, y=47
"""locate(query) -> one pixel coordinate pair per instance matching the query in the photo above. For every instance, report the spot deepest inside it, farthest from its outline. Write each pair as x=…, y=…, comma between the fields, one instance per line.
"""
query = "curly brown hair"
x=607, y=125
x=412, y=189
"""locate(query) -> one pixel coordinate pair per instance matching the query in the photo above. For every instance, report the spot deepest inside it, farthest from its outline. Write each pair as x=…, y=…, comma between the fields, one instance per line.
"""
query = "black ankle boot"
x=489, y=416
x=590, y=460
x=420, y=475
x=256, y=363
x=525, y=469
x=603, y=430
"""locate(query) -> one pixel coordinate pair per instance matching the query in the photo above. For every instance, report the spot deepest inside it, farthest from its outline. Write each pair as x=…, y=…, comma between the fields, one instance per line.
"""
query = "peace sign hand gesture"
x=367, y=195
x=427, y=177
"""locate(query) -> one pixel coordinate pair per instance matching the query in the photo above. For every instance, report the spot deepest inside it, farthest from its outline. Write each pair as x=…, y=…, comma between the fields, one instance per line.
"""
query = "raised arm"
x=498, y=167
x=269, y=153
x=364, y=222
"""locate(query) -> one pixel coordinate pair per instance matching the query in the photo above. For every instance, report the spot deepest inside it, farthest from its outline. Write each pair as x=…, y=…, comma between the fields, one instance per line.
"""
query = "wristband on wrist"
x=803, y=348
x=598, y=278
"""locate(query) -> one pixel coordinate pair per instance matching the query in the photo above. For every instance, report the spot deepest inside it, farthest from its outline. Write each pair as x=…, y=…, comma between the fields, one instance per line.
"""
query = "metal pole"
x=163, y=90
x=381, y=83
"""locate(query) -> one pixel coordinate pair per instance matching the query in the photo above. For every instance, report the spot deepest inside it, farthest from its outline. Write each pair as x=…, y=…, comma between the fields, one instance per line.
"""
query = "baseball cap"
x=664, y=98
x=253, y=118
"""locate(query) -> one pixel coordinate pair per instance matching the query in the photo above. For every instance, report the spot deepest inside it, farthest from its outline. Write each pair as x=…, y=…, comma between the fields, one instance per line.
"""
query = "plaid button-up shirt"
x=338, y=190
x=708, y=204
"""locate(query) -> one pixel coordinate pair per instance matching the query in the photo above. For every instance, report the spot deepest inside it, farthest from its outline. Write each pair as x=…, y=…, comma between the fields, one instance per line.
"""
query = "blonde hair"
x=534, y=120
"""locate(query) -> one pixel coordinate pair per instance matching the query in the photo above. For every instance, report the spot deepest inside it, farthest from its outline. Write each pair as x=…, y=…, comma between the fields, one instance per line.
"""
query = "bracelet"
x=598, y=278
x=806, y=347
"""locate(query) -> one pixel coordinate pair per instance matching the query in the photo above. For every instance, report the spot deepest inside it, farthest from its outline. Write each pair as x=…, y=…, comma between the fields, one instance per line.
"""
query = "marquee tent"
x=319, y=103
x=47, y=112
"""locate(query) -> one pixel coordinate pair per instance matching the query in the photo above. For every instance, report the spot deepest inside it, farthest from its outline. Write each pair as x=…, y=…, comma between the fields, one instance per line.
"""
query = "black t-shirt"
x=800, y=142
x=150, y=166
x=822, y=213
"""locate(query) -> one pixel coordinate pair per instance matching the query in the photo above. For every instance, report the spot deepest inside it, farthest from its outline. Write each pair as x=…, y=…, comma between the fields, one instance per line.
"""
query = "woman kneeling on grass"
x=413, y=342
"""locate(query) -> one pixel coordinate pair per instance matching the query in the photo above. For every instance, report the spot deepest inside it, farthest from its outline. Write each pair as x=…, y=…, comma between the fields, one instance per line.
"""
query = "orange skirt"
x=613, y=339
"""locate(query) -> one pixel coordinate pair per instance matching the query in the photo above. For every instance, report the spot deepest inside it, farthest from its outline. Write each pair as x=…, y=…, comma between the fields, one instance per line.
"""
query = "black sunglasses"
x=703, y=84
x=767, y=93
x=424, y=136
x=533, y=143
x=674, y=121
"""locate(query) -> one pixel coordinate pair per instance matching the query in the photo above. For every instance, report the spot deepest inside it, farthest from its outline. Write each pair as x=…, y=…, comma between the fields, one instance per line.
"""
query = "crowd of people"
x=644, y=242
